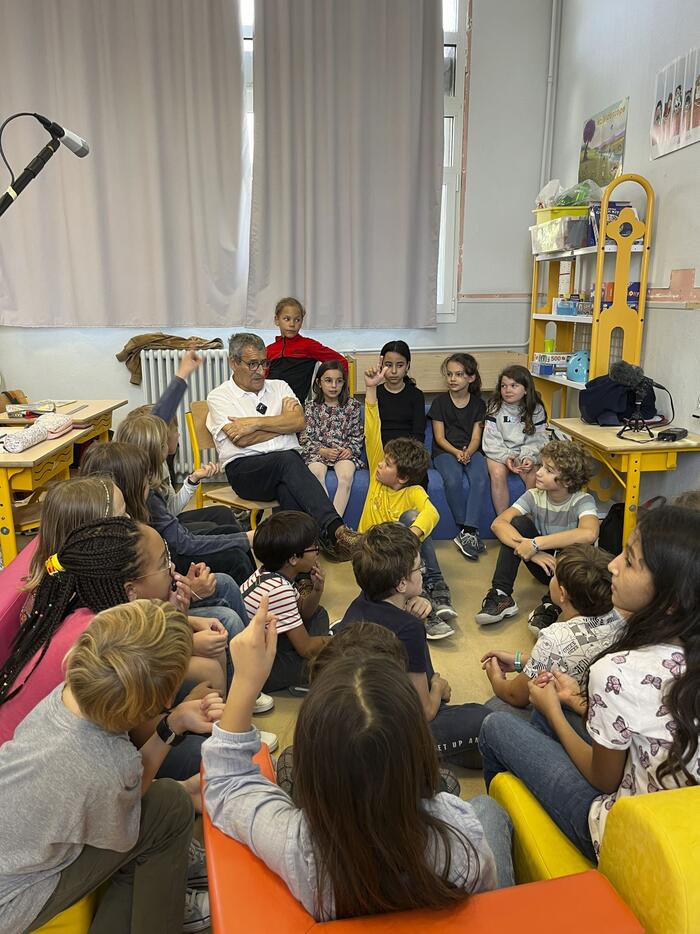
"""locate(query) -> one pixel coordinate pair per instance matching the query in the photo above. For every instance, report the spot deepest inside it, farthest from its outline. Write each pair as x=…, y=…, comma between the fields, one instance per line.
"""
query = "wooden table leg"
x=634, y=471
x=8, y=540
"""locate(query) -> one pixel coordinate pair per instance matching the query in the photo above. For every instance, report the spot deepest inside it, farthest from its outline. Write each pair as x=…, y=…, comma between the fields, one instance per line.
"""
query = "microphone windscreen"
x=627, y=374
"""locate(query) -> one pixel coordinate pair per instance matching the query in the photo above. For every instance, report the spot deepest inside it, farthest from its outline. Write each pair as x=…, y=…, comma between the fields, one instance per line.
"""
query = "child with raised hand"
x=401, y=402
x=225, y=549
x=166, y=409
x=554, y=514
x=292, y=356
x=514, y=433
x=458, y=422
x=286, y=545
x=364, y=834
x=332, y=438
x=587, y=624
x=389, y=570
x=642, y=701
x=395, y=495
x=78, y=807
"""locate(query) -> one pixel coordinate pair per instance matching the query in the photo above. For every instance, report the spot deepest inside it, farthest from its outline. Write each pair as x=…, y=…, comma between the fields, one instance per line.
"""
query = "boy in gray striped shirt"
x=554, y=514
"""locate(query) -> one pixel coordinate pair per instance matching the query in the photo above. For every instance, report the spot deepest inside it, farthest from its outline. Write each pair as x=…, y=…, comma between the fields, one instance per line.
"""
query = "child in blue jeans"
x=458, y=417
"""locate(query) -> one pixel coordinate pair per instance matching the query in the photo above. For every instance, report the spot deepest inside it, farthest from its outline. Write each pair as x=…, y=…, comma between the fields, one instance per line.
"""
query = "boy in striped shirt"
x=554, y=514
x=286, y=545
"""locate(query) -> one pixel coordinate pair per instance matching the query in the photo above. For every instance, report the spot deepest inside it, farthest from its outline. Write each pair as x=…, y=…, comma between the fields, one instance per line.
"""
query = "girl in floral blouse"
x=333, y=435
x=643, y=699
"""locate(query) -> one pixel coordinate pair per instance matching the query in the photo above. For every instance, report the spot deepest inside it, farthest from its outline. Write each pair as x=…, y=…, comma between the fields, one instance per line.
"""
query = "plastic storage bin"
x=563, y=233
x=549, y=214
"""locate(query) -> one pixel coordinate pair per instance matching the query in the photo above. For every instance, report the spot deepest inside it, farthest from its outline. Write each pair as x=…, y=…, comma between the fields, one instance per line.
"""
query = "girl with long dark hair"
x=401, y=402
x=367, y=831
x=643, y=698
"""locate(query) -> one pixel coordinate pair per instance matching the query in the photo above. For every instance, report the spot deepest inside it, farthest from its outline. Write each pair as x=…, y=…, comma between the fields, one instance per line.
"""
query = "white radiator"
x=159, y=367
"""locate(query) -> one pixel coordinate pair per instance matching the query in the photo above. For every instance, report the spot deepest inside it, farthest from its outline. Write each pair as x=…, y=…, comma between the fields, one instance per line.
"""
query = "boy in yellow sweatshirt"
x=395, y=495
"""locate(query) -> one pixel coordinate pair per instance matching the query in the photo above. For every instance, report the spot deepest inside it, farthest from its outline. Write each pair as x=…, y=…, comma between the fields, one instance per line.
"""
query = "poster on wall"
x=603, y=144
x=675, y=115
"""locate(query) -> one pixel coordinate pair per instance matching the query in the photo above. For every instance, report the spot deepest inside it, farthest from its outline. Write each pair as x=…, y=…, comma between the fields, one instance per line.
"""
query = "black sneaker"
x=542, y=616
x=496, y=606
x=439, y=594
x=470, y=544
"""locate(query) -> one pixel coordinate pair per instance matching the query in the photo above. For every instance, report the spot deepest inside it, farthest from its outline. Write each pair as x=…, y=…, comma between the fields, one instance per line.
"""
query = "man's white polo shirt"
x=230, y=400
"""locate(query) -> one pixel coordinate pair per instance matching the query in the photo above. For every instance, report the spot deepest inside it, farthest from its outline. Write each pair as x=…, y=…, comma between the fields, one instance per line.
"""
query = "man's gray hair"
x=237, y=343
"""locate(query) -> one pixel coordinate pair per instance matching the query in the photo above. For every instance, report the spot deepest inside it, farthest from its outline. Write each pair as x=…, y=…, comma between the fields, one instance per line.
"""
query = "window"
x=454, y=24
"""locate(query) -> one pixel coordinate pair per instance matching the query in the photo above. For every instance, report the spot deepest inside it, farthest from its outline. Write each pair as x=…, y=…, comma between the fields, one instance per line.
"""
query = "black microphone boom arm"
x=30, y=173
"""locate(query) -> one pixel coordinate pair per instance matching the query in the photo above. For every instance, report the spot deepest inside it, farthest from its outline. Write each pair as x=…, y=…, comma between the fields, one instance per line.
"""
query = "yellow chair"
x=201, y=439
x=650, y=851
x=74, y=920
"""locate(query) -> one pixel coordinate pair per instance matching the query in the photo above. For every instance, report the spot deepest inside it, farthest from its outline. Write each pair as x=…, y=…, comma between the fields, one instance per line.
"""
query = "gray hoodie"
x=504, y=434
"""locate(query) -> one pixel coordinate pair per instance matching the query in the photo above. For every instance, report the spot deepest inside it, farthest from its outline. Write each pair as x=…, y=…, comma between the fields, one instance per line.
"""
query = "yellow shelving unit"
x=616, y=332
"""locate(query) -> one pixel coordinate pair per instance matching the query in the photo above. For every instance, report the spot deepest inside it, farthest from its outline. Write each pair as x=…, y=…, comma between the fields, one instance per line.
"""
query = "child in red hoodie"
x=293, y=357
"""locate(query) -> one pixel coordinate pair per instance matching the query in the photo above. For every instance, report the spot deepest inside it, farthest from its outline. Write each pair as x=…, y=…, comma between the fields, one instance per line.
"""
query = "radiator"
x=159, y=367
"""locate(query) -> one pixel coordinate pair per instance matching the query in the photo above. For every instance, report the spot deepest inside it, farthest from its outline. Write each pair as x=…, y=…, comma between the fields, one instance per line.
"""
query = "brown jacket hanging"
x=130, y=354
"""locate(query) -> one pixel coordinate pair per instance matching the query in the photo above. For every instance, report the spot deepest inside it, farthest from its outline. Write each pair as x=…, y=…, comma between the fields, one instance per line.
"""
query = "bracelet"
x=193, y=482
x=518, y=663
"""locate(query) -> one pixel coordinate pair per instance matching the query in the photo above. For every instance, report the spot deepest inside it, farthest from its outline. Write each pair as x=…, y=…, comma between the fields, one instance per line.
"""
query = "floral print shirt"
x=626, y=711
x=332, y=426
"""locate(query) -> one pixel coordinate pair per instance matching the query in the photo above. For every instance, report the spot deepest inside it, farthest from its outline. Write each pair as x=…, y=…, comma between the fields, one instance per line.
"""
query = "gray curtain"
x=151, y=228
x=348, y=161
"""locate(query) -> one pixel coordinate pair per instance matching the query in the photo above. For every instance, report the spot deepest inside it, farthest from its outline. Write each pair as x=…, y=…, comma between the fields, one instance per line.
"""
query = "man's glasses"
x=421, y=568
x=165, y=566
x=257, y=364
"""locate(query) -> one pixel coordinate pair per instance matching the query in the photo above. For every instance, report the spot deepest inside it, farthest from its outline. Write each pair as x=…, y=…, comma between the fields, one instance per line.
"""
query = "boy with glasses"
x=389, y=570
x=254, y=422
x=286, y=545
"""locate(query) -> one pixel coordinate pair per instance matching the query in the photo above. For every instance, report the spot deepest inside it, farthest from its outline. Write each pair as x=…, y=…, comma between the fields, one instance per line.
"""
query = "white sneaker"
x=270, y=740
x=263, y=703
x=197, y=914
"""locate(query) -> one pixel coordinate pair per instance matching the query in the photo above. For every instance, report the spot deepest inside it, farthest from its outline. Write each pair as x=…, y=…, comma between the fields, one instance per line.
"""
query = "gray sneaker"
x=197, y=866
x=470, y=544
x=197, y=914
x=440, y=597
x=436, y=628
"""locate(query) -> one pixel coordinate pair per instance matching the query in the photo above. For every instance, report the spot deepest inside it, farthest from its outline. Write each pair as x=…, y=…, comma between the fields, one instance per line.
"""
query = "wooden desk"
x=33, y=469
x=625, y=456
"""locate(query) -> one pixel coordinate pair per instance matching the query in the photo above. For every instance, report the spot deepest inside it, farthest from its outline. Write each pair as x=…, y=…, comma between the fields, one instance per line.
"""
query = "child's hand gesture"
x=210, y=642
x=253, y=650
x=546, y=561
x=204, y=473
x=202, y=581
x=196, y=716
x=318, y=578
x=420, y=607
x=498, y=663
x=543, y=695
x=190, y=361
x=569, y=692
x=375, y=375
x=181, y=595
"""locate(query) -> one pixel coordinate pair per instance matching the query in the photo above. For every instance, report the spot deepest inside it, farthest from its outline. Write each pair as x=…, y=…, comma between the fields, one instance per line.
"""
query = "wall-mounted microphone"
x=72, y=141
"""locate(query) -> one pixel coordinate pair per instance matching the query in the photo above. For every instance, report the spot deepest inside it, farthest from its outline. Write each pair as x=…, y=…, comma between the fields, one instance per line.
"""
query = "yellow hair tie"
x=53, y=565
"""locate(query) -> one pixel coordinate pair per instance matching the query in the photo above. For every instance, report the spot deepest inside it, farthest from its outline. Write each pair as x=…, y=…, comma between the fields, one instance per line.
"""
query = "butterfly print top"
x=626, y=711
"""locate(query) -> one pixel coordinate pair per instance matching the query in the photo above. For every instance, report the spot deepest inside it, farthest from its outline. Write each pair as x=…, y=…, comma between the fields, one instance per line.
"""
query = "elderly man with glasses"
x=254, y=422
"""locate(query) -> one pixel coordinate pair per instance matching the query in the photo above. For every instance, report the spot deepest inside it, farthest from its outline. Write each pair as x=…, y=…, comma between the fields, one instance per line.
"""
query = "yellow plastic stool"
x=74, y=920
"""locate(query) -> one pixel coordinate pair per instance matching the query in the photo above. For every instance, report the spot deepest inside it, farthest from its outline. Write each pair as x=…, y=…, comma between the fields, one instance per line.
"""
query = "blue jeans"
x=508, y=744
x=498, y=831
x=433, y=574
x=465, y=507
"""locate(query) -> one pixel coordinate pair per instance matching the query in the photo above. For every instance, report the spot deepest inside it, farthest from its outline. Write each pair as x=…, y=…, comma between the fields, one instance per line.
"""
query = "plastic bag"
x=546, y=198
x=580, y=194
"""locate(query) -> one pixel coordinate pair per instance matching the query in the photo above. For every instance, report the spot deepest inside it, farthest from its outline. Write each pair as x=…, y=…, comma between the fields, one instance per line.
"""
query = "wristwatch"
x=535, y=545
x=167, y=735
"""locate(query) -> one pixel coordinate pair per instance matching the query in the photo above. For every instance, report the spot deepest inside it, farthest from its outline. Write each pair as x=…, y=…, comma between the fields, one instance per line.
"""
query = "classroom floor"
x=456, y=658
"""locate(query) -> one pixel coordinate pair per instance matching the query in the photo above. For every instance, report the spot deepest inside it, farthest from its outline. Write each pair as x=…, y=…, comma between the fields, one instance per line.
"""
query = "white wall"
x=508, y=74
x=610, y=50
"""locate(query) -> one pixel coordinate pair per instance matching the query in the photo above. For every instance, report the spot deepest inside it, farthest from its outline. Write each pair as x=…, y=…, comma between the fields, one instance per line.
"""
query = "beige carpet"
x=456, y=658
